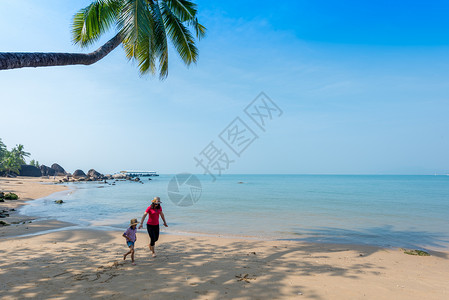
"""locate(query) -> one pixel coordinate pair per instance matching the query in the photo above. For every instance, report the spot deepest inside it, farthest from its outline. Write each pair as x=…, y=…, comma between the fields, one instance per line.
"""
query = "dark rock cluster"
x=47, y=171
x=78, y=175
x=30, y=171
x=57, y=170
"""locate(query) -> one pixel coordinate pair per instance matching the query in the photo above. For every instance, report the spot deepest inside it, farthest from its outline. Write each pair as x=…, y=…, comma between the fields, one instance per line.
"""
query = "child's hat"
x=134, y=222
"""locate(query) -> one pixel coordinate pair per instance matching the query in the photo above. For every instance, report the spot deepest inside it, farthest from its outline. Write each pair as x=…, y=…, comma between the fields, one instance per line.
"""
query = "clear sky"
x=363, y=86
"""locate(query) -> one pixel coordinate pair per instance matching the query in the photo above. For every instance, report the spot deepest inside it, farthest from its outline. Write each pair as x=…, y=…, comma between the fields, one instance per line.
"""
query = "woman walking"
x=153, y=211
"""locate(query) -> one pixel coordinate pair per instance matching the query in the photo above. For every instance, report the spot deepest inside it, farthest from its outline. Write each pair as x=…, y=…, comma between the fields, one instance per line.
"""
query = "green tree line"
x=11, y=161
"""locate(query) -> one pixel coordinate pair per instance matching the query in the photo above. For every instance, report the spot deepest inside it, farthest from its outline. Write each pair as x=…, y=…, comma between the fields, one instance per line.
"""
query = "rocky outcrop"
x=94, y=174
x=47, y=171
x=58, y=169
x=119, y=176
x=30, y=171
x=79, y=173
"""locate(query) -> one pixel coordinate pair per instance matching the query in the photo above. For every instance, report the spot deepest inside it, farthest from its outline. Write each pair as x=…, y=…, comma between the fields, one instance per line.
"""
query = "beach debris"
x=57, y=275
x=2, y=223
x=253, y=253
x=245, y=278
x=3, y=215
x=80, y=277
x=415, y=252
x=59, y=201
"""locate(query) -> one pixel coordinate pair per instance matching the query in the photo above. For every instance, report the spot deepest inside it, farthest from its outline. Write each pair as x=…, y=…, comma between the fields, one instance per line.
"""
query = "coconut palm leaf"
x=134, y=22
x=160, y=40
x=94, y=20
x=200, y=30
x=180, y=36
x=184, y=10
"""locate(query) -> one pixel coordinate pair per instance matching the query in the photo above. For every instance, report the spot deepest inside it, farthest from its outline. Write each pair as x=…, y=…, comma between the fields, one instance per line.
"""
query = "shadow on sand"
x=184, y=269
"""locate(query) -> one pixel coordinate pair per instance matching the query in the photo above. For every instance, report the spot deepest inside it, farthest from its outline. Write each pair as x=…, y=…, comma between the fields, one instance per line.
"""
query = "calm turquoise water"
x=399, y=211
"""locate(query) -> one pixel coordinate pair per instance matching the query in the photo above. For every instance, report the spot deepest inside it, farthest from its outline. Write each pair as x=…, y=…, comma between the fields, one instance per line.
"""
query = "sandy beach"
x=88, y=264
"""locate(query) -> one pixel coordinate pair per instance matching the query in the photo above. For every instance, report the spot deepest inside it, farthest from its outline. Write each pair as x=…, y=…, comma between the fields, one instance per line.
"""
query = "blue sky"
x=363, y=85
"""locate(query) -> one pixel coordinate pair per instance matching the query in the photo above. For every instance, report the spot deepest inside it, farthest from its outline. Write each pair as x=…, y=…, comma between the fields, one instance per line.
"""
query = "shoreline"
x=37, y=224
x=53, y=261
x=28, y=189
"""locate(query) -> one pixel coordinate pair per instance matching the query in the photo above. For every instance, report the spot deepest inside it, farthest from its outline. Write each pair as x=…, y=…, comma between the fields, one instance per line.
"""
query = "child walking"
x=130, y=236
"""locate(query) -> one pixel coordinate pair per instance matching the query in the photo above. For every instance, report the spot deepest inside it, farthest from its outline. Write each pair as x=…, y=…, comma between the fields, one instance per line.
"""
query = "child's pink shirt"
x=131, y=234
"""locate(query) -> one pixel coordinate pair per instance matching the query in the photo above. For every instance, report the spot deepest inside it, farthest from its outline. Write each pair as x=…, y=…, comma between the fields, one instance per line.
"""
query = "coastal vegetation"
x=11, y=161
x=142, y=27
x=415, y=252
x=8, y=196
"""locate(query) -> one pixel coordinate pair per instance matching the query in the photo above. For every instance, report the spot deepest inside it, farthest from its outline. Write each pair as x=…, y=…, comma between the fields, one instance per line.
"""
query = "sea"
x=386, y=211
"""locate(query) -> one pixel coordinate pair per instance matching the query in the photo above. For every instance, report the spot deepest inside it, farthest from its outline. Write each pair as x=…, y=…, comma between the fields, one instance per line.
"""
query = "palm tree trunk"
x=15, y=60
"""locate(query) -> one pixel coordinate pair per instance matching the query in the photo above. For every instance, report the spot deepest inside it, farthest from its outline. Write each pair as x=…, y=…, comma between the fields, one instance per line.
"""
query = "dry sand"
x=76, y=264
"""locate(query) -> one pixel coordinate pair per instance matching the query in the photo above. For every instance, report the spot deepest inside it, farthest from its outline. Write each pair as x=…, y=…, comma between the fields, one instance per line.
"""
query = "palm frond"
x=94, y=20
x=183, y=9
x=134, y=22
x=160, y=40
x=145, y=56
x=200, y=30
x=180, y=36
x=186, y=12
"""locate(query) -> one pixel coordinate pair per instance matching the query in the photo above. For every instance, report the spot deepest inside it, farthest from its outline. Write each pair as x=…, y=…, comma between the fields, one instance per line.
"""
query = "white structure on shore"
x=139, y=173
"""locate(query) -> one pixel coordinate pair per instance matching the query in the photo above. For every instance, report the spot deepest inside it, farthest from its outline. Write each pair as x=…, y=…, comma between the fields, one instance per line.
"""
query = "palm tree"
x=3, y=149
x=3, y=153
x=142, y=27
x=34, y=163
x=19, y=154
x=10, y=163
